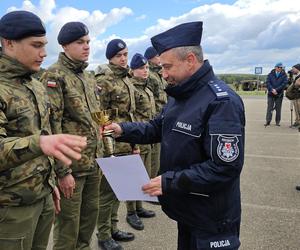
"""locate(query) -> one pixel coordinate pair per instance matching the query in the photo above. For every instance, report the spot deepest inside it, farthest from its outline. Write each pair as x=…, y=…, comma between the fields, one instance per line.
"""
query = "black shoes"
x=134, y=221
x=277, y=124
x=267, y=124
x=122, y=236
x=298, y=188
x=144, y=213
x=109, y=244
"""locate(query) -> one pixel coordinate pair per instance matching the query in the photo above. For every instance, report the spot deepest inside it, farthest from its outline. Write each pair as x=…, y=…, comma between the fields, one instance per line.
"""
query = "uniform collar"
x=118, y=71
x=139, y=81
x=155, y=67
x=11, y=68
x=75, y=66
x=186, y=88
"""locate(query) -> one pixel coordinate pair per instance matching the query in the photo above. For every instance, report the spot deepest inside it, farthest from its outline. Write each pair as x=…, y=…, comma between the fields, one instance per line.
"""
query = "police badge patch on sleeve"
x=227, y=149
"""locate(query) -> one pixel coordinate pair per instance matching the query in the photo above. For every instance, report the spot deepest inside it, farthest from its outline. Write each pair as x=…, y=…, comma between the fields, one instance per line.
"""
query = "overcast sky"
x=237, y=35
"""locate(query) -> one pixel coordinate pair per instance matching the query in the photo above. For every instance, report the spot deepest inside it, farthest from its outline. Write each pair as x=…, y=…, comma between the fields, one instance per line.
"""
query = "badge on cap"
x=121, y=45
x=227, y=149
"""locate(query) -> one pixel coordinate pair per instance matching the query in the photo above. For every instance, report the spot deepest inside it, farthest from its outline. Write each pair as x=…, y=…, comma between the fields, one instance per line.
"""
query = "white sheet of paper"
x=126, y=176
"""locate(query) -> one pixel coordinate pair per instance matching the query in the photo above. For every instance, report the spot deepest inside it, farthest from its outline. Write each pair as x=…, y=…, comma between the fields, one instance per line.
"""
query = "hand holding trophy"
x=104, y=118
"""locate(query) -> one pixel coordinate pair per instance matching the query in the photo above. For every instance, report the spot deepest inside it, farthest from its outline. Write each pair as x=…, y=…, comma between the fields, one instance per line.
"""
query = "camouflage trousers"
x=26, y=227
x=155, y=160
x=75, y=224
x=108, y=211
x=132, y=206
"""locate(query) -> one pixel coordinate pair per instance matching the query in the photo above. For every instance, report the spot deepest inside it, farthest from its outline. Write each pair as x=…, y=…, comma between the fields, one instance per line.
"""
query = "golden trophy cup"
x=104, y=118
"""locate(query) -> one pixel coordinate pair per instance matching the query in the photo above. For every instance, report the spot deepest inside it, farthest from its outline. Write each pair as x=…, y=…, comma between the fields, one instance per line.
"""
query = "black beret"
x=150, y=53
x=137, y=61
x=297, y=66
x=113, y=47
x=186, y=34
x=20, y=24
x=71, y=31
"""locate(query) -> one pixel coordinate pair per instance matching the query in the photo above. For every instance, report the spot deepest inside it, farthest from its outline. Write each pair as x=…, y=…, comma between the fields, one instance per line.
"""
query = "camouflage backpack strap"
x=131, y=90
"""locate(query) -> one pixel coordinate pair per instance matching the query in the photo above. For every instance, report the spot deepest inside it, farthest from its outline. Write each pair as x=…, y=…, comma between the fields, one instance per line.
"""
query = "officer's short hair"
x=181, y=52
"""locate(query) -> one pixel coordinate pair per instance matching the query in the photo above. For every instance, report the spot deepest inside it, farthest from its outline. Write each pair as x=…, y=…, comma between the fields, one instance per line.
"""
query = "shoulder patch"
x=218, y=90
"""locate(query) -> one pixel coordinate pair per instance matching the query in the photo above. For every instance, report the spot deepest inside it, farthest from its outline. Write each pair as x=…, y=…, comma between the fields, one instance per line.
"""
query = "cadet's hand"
x=115, y=127
x=153, y=188
x=67, y=185
x=63, y=147
x=56, y=200
x=136, y=151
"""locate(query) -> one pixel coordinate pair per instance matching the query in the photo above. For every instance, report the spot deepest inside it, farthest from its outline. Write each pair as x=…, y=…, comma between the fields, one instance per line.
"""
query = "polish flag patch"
x=51, y=84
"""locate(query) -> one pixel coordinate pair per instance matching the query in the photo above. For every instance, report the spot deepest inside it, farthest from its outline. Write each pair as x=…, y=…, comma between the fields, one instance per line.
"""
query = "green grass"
x=251, y=93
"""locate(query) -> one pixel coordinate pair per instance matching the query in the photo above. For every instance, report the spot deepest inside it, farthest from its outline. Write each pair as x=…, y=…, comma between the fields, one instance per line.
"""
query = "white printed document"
x=126, y=176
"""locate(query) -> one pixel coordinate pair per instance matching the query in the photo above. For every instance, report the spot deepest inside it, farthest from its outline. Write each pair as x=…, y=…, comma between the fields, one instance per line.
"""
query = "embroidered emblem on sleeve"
x=227, y=149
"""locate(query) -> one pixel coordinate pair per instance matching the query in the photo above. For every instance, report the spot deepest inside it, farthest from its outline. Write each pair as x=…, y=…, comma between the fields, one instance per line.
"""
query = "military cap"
x=138, y=61
x=297, y=66
x=71, y=31
x=113, y=47
x=279, y=65
x=150, y=53
x=186, y=34
x=20, y=24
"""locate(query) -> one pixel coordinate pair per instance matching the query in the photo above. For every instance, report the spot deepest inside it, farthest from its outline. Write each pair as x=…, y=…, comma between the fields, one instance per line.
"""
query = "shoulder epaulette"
x=218, y=90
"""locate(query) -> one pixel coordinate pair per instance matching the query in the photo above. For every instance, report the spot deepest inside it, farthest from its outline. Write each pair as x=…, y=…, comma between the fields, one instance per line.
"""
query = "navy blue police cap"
x=71, y=32
x=186, y=34
x=150, y=53
x=113, y=47
x=20, y=24
x=138, y=61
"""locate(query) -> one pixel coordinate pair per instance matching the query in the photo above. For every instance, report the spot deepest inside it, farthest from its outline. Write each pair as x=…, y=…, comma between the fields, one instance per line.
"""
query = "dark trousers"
x=274, y=103
x=195, y=239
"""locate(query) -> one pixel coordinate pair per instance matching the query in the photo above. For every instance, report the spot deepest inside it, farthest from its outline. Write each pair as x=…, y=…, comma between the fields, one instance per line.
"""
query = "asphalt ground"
x=270, y=203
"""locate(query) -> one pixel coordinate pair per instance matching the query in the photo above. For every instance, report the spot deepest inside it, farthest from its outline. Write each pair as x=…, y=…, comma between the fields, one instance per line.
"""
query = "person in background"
x=276, y=82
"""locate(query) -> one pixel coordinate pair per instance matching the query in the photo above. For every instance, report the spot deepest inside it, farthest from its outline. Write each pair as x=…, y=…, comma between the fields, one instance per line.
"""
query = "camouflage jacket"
x=117, y=91
x=74, y=95
x=25, y=172
x=157, y=85
x=145, y=105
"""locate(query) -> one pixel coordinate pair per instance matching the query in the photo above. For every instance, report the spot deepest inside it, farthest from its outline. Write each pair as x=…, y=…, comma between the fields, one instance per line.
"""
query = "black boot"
x=109, y=244
x=144, y=213
x=135, y=221
x=298, y=188
x=122, y=236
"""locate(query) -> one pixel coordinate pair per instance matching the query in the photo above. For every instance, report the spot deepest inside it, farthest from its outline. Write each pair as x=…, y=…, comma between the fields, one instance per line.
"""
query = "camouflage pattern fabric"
x=26, y=174
x=74, y=95
x=145, y=105
x=117, y=91
x=157, y=85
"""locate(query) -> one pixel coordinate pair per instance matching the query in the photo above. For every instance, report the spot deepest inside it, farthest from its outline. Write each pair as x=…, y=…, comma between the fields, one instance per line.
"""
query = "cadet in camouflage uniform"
x=116, y=92
x=74, y=97
x=26, y=173
x=145, y=111
x=157, y=84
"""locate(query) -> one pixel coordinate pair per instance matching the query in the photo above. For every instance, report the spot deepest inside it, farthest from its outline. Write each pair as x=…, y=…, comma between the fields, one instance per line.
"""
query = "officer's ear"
x=191, y=59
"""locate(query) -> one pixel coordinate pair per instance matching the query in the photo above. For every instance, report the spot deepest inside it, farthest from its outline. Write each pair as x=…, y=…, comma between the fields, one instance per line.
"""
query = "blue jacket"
x=278, y=83
x=201, y=130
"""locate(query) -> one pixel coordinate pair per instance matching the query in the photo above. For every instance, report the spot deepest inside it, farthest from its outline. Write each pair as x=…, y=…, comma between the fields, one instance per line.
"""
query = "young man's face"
x=174, y=70
x=142, y=72
x=155, y=60
x=29, y=51
x=78, y=50
x=120, y=59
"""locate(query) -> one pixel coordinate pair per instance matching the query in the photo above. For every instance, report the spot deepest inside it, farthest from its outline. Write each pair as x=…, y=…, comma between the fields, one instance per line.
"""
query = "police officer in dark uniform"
x=201, y=130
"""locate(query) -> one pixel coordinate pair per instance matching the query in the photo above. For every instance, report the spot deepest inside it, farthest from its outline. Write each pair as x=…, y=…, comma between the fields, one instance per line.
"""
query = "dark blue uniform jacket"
x=278, y=83
x=201, y=130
